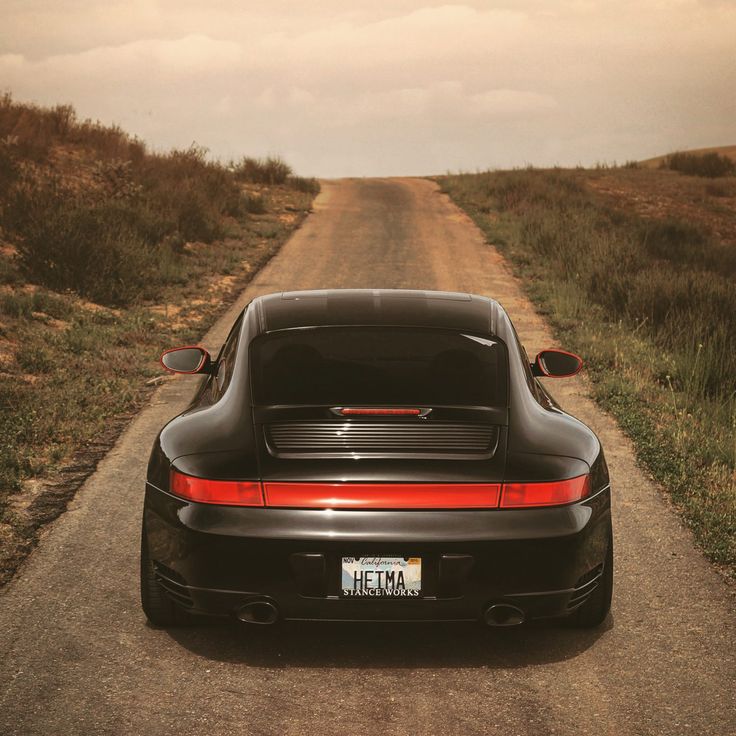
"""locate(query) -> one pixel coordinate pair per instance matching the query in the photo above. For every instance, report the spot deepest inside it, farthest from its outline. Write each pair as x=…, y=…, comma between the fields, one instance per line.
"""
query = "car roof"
x=377, y=307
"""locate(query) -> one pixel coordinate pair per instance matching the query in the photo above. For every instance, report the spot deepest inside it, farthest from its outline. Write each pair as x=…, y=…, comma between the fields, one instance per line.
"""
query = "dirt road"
x=78, y=658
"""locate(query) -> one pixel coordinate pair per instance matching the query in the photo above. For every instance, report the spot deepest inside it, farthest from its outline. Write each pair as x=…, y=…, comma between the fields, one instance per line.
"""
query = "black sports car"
x=375, y=455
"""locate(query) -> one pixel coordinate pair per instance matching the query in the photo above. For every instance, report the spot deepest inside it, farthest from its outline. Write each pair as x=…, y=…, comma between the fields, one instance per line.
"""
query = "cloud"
x=367, y=87
x=409, y=104
x=184, y=57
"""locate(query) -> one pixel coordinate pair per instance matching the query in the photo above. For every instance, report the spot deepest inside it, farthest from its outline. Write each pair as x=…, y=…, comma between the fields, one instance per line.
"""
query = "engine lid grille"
x=449, y=440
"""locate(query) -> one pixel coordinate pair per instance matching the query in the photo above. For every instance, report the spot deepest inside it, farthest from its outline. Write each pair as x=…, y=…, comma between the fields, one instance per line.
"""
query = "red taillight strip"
x=378, y=412
x=223, y=492
x=380, y=495
x=556, y=493
x=383, y=495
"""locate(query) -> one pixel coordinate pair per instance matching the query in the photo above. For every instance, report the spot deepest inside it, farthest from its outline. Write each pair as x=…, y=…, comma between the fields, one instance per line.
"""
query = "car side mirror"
x=556, y=364
x=191, y=359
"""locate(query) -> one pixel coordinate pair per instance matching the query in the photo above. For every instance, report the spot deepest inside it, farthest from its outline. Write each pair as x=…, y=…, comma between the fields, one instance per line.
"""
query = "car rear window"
x=356, y=366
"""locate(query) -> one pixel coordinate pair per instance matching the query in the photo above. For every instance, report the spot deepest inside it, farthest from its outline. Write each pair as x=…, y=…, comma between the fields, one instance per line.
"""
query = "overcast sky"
x=355, y=87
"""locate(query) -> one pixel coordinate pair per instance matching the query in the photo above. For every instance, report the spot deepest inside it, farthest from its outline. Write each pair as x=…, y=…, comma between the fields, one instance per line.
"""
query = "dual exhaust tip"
x=258, y=612
x=503, y=614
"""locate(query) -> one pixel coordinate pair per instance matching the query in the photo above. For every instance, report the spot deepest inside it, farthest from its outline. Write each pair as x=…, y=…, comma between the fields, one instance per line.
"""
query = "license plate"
x=381, y=577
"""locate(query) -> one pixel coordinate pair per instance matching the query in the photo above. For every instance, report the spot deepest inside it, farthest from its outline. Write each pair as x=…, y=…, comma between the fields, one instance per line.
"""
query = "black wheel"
x=595, y=610
x=160, y=610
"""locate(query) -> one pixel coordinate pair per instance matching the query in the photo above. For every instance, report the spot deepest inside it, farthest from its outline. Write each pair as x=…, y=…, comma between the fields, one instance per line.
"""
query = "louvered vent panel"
x=381, y=439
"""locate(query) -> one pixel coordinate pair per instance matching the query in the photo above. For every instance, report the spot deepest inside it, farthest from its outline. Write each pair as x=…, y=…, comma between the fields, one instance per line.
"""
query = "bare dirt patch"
x=669, y=195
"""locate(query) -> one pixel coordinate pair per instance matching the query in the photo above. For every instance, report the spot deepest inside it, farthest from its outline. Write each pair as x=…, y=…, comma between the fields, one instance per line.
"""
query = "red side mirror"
x=190, y=359
x=556, y=364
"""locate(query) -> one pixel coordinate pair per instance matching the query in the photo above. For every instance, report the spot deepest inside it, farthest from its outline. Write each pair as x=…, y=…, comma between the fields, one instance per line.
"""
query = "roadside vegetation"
x=711, y=165
x=108, y=254
x=636, y=268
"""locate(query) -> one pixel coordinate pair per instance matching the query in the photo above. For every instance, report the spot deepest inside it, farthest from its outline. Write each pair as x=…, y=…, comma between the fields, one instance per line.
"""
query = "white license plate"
x=381, y=577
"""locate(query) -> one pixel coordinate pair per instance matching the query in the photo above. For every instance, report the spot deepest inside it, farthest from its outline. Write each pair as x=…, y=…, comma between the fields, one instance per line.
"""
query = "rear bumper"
x=215, y=559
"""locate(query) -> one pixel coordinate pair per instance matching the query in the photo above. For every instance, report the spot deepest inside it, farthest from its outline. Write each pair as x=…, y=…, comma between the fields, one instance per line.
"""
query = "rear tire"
x=595, y=610
x=160, y=610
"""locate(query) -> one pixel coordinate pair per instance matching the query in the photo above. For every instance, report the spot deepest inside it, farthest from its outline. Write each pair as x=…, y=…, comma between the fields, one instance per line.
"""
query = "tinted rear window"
x=359, y=366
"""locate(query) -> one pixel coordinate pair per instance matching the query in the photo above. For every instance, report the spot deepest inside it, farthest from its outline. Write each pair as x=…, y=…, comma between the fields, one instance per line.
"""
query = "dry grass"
x=108, y=255
x=643, y=288
x=35, y=131
x=660, y=194
x=272, y=170
x=89, y=210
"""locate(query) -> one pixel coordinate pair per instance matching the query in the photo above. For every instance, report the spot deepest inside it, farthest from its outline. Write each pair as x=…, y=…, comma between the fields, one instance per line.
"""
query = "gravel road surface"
x=78, y=657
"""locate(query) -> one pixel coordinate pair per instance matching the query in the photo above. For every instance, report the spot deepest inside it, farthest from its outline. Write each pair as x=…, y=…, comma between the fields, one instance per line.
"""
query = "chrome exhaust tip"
x=258, y=612
x=503, y=614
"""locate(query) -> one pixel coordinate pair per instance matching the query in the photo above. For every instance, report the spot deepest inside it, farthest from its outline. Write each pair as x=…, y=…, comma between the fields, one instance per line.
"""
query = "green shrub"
x=104, y=251
x=189, y=193
x=255, y=204
x=711, y=165
x=196, y=217
x=35, y=359
x=675, y=240
x=24, y=303
x=270, y=170
x=308, y=185
x=8, y=168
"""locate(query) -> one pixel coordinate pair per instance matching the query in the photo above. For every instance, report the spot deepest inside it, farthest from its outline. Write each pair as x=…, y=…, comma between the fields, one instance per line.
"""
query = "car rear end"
x=382, y=492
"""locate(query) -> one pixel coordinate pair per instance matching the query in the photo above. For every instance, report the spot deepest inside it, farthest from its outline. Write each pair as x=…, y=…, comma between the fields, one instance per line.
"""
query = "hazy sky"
x=349, y=87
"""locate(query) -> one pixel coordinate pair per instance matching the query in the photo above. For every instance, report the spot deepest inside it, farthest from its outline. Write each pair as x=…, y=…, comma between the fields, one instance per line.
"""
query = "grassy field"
x=108, y=254
x=636, y=270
